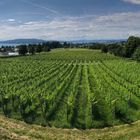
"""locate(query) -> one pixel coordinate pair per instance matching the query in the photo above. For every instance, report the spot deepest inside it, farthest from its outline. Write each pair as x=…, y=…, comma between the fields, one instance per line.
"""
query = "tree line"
x=128, y=49
x=32, y=48
x=38, y=48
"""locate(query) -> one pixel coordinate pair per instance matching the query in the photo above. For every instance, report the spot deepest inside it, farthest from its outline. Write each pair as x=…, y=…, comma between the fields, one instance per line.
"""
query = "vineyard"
x=70, y=88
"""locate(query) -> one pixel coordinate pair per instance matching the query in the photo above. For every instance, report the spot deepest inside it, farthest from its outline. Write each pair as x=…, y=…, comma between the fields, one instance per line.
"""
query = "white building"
x=9, y=53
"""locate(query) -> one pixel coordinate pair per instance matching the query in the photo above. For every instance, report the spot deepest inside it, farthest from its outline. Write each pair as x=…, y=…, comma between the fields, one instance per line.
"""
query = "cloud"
x=11, y=20
x=132, y=1
x=40, y=6
x=112, y=26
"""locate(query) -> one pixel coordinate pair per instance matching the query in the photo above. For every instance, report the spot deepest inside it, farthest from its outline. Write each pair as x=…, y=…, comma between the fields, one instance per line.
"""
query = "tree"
x=23, y=50
x=120, y=51
x=136, y=55
x=104, y=49
x=31, y=49
x=117, y=49
x=46, y=47
x=39, y=48
x=66, y=45
x=131, y=45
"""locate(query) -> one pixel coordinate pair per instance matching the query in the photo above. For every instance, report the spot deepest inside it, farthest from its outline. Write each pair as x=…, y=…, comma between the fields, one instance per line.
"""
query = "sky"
x=69, y=19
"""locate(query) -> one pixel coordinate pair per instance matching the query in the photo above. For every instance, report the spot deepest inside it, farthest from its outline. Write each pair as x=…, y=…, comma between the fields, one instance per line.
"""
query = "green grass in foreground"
x=11, y=129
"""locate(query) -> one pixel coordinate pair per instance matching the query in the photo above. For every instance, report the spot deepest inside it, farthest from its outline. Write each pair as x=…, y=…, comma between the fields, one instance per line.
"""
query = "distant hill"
x=36, y=41
x=98, y=41
x=23, y=41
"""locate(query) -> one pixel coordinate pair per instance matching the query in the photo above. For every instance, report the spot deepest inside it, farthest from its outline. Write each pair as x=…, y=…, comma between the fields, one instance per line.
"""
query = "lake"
x=8, y=44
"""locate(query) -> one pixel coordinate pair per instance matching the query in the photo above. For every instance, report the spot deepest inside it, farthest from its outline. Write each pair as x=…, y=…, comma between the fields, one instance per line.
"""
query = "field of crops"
x=70, y=88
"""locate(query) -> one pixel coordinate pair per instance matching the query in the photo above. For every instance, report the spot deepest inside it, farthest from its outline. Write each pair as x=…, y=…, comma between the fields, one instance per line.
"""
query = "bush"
x=104, y=49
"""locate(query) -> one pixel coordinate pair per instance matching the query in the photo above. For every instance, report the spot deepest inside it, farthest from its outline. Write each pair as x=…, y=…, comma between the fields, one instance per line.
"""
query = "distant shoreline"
x=4, y=44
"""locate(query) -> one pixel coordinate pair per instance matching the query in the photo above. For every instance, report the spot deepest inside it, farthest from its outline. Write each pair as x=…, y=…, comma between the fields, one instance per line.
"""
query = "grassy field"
x=11, y=129
x=70, y=88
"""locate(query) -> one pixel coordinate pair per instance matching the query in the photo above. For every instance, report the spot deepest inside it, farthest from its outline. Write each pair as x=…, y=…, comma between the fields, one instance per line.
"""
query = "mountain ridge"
x=23, y=41
x=35, y=41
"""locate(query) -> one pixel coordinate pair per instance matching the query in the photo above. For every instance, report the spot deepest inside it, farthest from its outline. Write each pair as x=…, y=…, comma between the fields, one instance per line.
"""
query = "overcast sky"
x=69, y=19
